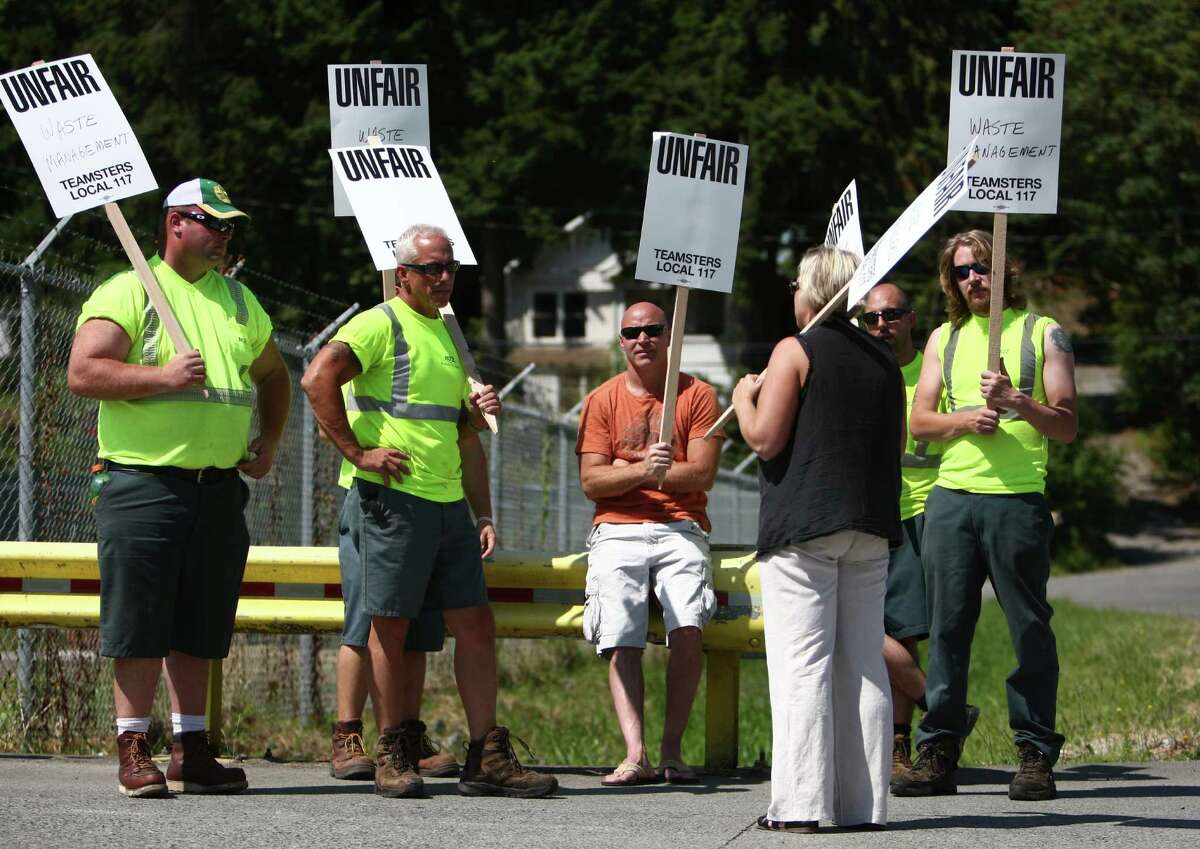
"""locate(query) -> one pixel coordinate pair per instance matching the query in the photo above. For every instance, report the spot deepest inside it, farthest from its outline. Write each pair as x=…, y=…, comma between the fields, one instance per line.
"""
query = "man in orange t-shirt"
x=646, y=539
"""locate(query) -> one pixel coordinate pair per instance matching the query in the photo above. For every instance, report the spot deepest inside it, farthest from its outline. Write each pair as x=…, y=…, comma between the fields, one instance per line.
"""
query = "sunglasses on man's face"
x=889, y=314
x=433, y=269
x=217, y=225
x=964, y=271
x=651, y=330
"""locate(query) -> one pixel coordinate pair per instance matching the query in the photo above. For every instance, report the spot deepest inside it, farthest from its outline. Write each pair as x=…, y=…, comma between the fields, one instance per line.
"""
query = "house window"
x=574, y=315
x=545, y=314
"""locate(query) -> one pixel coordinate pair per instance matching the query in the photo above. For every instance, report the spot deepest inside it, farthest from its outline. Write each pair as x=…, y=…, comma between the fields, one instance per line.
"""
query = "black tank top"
x=841, y=468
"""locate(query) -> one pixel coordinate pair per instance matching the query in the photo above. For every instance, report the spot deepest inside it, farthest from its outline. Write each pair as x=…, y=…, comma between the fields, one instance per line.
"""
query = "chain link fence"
x=55, y=689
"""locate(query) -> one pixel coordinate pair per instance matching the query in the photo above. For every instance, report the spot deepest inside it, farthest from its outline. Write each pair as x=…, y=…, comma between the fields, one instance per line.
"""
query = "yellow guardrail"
x=287, y=589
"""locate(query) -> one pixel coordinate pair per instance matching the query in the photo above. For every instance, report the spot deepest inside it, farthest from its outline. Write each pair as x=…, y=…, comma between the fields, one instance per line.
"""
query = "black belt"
x=210, y=474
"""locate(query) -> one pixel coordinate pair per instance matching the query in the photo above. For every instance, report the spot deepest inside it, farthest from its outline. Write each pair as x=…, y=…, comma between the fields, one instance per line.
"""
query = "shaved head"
x=887, y=295
x=643, y=312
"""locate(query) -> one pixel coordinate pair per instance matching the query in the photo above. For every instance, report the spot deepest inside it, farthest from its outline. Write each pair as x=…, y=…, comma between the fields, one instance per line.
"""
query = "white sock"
x=132, y=723
x=182, y=723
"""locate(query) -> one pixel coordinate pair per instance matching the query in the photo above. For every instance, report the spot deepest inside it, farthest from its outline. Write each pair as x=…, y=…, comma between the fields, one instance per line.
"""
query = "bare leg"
x=386, y=647
x=134, y=682
x=683, y=677
x=905, y=675
x=413, y=685
x=628, y=693
x=353, y=670
x=187, y=682
x=474, y=631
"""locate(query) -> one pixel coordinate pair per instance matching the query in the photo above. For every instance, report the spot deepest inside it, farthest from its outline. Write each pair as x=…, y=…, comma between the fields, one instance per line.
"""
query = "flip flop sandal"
x=677, y=772
x=639, y=775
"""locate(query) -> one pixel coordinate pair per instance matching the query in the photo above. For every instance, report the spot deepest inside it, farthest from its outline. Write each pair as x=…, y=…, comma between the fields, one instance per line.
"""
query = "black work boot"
x=933, y=772
x=1034, y=781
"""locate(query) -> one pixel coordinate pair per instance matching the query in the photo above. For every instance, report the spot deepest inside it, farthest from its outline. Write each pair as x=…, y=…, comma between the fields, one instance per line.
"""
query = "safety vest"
x=1012, y=460
x=198, y=426
x=919, y=465
x=408, y=396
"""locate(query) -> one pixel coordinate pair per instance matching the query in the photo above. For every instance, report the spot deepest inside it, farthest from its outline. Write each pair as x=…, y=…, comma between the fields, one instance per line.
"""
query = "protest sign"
x=937, y=199
x=845, y=227
x=85, y=154
x=392, y=187
x=387, y=101
x=1013, y=102
x=693, y=212
x=82, y=148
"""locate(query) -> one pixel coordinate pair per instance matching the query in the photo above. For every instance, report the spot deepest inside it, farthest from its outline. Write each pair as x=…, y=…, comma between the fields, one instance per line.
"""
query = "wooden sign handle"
x=666, y=429
x=149, y=281
x=999, y=258
x=474, y=378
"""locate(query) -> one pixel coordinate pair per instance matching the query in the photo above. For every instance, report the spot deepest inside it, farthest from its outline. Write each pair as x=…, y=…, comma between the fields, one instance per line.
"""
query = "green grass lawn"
x=1129, y=681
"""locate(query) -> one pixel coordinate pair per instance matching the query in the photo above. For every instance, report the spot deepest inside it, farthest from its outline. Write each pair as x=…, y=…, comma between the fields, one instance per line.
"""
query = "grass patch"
x=1129, y=682
x=1129, y=691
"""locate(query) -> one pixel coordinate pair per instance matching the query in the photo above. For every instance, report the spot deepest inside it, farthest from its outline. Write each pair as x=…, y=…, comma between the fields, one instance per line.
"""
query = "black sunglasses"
x=217, y=225
x=433, y=269
x=964, y=271
x=651, y=330
x=890, y=314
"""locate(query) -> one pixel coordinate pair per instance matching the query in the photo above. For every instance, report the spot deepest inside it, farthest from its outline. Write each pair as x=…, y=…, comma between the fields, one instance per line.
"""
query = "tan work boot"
x=193, y=769
x=136, y=773
x=933, y=773
x=901, y=755
x=492, y=769
x=349, y=759
x=428, y=757
x=395, y=776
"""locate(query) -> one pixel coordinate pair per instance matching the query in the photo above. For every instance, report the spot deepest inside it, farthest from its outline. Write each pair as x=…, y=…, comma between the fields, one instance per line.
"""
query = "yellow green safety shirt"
x=408, y=396
x=225, y=322
x=919, y=465
x=1013, y=459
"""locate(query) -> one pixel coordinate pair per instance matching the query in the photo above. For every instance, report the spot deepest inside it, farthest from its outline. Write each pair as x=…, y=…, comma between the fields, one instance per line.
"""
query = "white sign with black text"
x=937, y=199
x=81, y=145
x=388, y=101
x=1013, y=102
x=845, y=230
x=390, y=188
x=693, y=212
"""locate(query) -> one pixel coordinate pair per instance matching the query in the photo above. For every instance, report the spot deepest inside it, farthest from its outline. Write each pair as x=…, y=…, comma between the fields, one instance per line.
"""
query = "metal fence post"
x=25, y=486
x=564, y=501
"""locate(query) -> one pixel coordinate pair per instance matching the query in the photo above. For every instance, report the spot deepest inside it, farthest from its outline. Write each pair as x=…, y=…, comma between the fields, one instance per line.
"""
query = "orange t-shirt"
x=619, y=424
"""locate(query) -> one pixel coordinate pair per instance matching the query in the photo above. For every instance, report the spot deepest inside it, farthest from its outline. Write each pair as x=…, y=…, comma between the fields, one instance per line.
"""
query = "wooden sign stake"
x=999, y=257
x=474, y=378
x=149, y=281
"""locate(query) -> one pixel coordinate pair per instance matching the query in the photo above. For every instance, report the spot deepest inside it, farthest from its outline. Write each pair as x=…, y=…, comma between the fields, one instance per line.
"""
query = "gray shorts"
x=627, y=562
x=413, y=553
x=905, y=609
x=425, y=633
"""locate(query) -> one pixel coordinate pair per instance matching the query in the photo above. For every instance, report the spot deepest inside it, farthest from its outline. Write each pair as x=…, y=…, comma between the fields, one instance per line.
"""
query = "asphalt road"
x=73, y=802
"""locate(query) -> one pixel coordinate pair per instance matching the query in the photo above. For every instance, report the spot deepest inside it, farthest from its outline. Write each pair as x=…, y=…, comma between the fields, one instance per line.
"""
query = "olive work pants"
x=1005, y=538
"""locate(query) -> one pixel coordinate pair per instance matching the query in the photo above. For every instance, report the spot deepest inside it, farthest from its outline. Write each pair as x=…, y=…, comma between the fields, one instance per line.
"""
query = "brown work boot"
x=420, y=750
x=492, y=769
x=349, y=759
x=934, y=771
x=395, y=775
x=1034, y=781
x=901, y=755
x=136, y=773
x=194, y=769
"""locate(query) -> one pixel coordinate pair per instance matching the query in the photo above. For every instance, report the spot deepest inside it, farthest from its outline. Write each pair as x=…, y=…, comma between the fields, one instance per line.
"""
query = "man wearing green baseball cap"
x=174, y=432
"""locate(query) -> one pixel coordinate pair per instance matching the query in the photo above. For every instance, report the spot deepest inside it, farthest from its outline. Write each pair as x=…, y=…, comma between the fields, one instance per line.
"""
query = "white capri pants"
x=831, y=705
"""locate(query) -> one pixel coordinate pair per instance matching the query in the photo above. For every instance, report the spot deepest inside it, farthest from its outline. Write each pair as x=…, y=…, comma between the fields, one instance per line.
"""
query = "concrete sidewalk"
x=73, y=802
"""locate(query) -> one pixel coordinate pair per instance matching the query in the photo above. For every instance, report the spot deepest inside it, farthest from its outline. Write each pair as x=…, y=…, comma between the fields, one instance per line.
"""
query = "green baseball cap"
x=209, y=195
